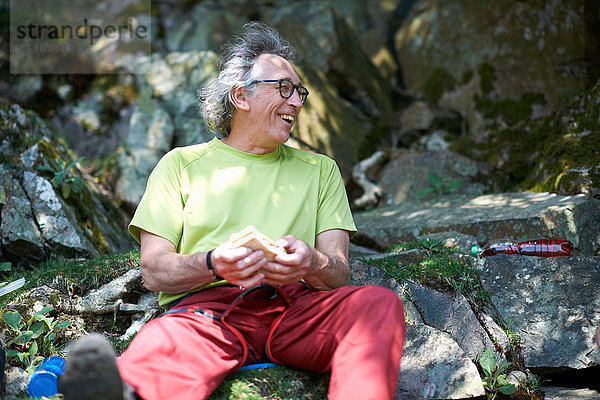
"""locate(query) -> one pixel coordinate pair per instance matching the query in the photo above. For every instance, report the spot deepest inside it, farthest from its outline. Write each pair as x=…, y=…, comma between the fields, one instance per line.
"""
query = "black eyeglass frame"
x=302, y=91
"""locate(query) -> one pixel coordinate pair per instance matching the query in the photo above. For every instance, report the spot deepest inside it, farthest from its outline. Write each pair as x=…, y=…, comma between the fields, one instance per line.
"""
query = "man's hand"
x=239, y=266
x=291, y=267
x=324, y=267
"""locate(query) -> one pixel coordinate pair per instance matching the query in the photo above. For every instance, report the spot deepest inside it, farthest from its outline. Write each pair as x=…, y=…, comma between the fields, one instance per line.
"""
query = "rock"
x=517, y=378
x=204, y=26
x=363, y=274
x=166, y=115
x=488, y=217
x=327, y=43
x=404, y=257
x=433, y=366
x=16, y=382
x=56, y=221
x=106, y=299
x=330, y=124
x=38, y=218
x=88, y=130
x=435, y=141
x=417, y=116
x=149, y=138
x=23, y=88
x=557, y=393
x=21, y=237
x=503, y=41
x=407, y=173
x=555, y=153
x=552, y=304
x=453, y=316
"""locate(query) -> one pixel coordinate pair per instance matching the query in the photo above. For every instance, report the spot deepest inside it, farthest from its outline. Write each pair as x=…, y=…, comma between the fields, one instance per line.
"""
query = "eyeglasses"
x=286, y=88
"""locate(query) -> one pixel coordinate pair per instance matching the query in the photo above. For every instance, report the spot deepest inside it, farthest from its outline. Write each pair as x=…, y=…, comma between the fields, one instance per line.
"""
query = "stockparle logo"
x=78, y=36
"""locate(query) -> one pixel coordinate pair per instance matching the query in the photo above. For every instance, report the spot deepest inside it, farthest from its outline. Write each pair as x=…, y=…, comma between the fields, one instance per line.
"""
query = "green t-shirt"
x=198, y=195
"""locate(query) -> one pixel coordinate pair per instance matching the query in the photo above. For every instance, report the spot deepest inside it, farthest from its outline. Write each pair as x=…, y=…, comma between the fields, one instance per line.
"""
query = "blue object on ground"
x=44, y=380
x=259, y=366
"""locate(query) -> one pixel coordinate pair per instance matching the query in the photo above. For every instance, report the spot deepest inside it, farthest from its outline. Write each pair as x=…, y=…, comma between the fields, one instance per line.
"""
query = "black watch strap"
x=210, y=266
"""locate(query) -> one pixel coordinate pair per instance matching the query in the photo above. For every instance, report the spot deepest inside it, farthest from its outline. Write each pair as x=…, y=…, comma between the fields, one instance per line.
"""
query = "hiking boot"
x=91, y=372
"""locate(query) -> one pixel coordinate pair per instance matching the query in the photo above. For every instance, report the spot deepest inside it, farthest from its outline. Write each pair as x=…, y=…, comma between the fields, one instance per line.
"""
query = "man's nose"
x=295, y=100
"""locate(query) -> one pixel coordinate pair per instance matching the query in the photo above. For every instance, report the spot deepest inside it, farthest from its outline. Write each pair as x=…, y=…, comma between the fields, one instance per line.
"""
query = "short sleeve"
x=160, y=210
x=333, y=210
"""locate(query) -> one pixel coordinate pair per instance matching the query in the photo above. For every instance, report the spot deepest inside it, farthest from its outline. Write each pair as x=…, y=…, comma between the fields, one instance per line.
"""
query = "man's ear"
x=239, y=96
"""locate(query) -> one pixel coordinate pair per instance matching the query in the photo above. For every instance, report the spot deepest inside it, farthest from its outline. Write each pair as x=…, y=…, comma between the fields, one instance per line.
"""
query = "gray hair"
x=236, y=70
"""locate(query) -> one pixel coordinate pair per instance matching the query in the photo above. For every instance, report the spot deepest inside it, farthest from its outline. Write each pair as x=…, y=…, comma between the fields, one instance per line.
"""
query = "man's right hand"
x=239, y=266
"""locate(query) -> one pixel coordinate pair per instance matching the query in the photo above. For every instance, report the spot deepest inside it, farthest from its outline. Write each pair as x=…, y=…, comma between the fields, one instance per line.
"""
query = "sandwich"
x=252, y=238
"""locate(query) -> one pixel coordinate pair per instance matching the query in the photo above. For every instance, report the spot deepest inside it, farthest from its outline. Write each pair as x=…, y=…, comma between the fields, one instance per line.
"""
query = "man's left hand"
x=291, y=267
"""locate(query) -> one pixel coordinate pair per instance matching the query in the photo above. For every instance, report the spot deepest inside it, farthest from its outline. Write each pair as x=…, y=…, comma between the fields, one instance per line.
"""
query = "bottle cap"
x=475, y=251
x=42, y=383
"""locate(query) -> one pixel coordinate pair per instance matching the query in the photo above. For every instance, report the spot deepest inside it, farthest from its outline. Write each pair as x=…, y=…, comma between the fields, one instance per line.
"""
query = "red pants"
x=357, y=333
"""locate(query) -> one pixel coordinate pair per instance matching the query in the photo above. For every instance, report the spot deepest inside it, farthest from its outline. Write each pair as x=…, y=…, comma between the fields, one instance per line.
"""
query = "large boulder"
x=47, y=204
x=165, y=116
x=21, y=237
x=453, y=315
x=509, y=215
x=434, y=367
x=552, y=304
x=556, y=153
x=408, y=175
x=497, y=56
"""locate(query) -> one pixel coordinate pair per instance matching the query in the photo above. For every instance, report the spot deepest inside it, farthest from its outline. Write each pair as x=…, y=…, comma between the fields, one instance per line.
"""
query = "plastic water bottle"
x=539, y=248
x=44, y=380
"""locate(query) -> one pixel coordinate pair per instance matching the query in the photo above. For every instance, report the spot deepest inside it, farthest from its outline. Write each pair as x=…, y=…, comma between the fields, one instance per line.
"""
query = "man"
x=229, y=306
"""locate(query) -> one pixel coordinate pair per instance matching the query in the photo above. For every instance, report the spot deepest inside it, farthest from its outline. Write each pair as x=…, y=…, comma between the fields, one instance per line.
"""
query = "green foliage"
x=24, y=336
x=120, y=345
x=5, y=266
x=439, y=82
x=63, y=179
x=431, y=246
x=514, y=338
x=279, y=383
x=75, y=277
x=495, y=380
x=487, y=75
x=439, y=186
x=440, y=268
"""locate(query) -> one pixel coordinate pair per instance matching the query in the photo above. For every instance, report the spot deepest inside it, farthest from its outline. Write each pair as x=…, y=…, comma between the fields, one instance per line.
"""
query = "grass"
x=278, y=383
x=441, y=268
x=71, y=277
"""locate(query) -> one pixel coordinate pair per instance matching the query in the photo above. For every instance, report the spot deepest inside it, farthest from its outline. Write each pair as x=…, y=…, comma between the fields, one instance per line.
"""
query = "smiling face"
x=264, y=119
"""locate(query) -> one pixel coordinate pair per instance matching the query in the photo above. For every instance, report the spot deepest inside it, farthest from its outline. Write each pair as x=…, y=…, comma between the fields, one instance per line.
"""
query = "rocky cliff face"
x=48, y=206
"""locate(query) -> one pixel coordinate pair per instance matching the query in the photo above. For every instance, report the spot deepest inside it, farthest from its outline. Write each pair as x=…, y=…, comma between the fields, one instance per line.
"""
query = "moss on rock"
x=438, y=82
x=557, y=153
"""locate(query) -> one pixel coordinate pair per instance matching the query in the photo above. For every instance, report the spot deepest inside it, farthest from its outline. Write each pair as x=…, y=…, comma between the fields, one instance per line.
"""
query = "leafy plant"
x=495, y=380
x=63, y=179
x=24, y=344
x=5, y=266
x=439, y=186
